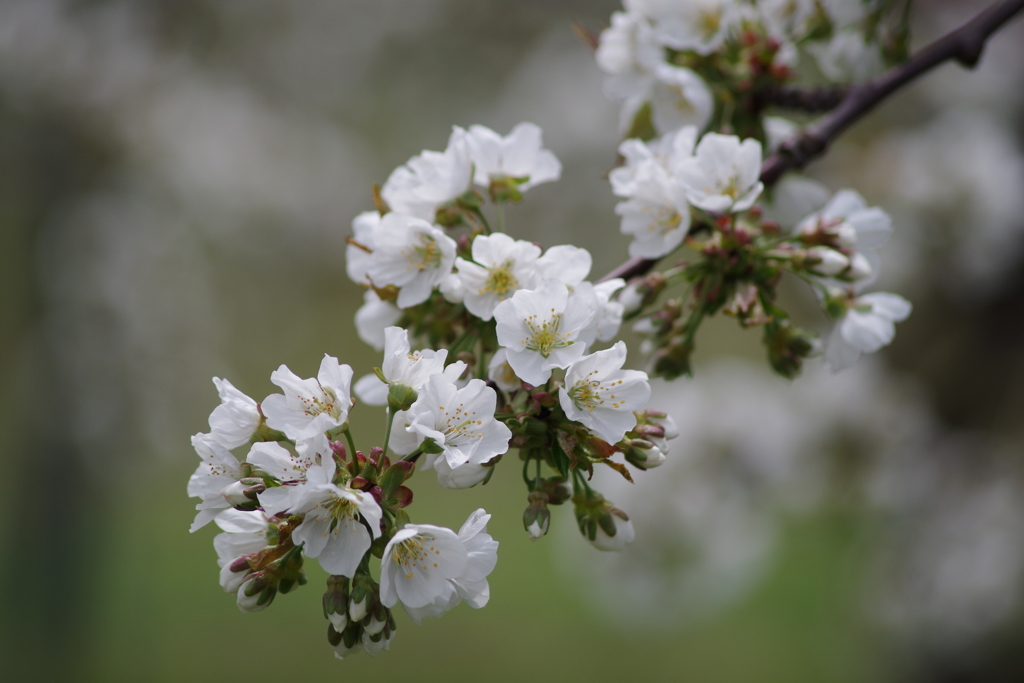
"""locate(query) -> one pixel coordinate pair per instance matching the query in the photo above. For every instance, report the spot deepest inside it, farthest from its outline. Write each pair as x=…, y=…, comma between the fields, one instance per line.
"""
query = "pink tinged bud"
x=649, y=430
x=338, y=448
x=240, y=564
x=377, y=494
x=359, y=483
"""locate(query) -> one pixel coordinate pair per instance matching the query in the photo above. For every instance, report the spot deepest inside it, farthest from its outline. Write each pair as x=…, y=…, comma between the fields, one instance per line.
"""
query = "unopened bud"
x=255, y=594
x=243, y=492
x=376, y=620
x=845, y=235
x=231, y=579
x=401, y=397
x=860, y=268
x=357, y=610
x=826, y=261
x=537, y=517
x=644, y=454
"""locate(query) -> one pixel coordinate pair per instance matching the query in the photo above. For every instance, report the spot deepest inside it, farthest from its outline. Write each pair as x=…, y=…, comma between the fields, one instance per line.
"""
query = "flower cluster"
x=709, y=63
x=301, y=493
x=526, y=357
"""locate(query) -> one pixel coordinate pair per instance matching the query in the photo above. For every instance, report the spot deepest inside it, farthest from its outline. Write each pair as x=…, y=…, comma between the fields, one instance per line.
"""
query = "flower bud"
x=788, y=346
x=844, y=235
x=243, y=492
x=255, y=594
x=401, y=397
x=826, y=261
x=335, y=602
x=614, y=531
x=537, y=517
x=231, y=578
x=644, y=454
x=860, y=268
x=376, y=620
x=357, y=609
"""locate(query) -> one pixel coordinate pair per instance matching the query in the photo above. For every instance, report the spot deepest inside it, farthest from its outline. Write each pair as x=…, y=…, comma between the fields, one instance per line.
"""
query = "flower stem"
x=387, y=435
x=351, y=444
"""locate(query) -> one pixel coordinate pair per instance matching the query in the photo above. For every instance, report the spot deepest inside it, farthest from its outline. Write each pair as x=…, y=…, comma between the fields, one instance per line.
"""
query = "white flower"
x=608, y=318
x=428, y=596
x=786, y=20
x=847, y=222
x=501, y=373
x=359, y=251
x=431, y=179
x=659, y=156
x=214, y=480
x=848, y=57
x=373, y=317
x=234, y=421
x=464, y=476
x=371, y=390
x=458, y=421
x=518, y=155
x=568, y=264
x=540, y=332
x=679, y=98
x=451, y=289
x=333, y=530
x=698, y=25
x=405, y=367
x=868, y=324
x=723, y=175
x=418, y=562
x=657, y=215
x=502, y=267
x=245, y=533
x=624, y=533
x=628, y=52
x=310, y=407
x=602, y=396
x=410, y=368
x=412, y=255
x=289, y=469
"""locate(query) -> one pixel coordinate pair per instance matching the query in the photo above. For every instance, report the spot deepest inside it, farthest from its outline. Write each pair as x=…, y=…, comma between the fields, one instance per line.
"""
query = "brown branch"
x=963, y=45
x=814, y=100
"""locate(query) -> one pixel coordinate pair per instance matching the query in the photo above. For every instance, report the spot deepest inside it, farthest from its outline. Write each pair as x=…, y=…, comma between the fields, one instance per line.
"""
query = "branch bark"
x=964, y=45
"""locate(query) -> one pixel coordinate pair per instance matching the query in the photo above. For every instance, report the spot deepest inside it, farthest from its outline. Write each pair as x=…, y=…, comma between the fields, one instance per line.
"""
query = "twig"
x=964, y=45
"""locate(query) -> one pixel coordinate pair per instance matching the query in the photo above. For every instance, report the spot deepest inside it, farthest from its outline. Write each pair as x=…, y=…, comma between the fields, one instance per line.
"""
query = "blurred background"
x=177, y=179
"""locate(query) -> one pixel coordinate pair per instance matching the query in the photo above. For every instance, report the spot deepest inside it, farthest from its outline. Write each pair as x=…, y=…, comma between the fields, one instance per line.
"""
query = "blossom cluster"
x=492, y=343
x=300, y=492
x=708, y=62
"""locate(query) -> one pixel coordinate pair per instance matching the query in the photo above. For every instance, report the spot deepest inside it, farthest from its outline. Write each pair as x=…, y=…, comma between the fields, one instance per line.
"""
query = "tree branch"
x=963, y=45
x=820, y=99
